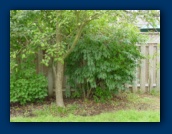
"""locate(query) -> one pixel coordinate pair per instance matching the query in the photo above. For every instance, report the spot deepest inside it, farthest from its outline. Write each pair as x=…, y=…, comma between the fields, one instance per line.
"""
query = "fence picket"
x=143, y=71
x=151, y=67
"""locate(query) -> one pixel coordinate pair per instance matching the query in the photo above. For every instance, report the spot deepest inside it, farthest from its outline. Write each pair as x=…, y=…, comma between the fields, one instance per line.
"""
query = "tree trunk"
x=59, y=84
x=60, y=65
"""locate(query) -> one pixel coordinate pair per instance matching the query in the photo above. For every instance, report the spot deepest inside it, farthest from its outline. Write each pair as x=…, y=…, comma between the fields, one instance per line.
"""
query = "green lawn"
x=139, y=108
x=119, y=116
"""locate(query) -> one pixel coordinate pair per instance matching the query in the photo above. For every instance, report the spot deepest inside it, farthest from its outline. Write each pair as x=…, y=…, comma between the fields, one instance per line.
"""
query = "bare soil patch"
x=89, y=107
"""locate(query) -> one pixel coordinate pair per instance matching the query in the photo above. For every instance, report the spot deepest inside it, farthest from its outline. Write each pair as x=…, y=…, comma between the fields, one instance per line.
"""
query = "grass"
x=143, y=98
x=55, y=111
x=154, y=92
x=137, y=99
x=119, y=116
x=51, y=113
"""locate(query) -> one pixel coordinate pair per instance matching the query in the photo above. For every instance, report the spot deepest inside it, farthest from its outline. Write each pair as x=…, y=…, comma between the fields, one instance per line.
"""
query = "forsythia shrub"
x=27, y=86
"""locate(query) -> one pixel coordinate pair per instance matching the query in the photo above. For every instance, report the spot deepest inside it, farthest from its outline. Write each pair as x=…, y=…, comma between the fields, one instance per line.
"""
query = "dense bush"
x=27, y=86
x=106, y=60
x=101, y=95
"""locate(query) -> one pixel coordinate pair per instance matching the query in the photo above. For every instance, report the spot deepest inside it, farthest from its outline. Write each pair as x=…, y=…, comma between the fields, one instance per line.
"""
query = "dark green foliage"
x=102, y=95
x=105, y=61
x=27, y=86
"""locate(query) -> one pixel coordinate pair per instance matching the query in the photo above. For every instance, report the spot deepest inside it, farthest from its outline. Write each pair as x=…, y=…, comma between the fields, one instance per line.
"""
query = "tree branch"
x=78, y=35
x=40, y=29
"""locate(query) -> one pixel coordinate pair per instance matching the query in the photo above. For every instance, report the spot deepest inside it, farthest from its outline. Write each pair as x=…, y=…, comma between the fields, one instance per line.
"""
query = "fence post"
x=158, y=69
x=143, y=65
x=134, y=87
x=151, y=63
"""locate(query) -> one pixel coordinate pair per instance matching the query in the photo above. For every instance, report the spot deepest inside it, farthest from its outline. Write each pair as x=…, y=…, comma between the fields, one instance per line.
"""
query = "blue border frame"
x=166, y=90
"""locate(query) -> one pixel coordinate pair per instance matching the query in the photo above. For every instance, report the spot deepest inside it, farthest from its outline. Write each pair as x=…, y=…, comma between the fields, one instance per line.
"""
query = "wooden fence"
x=148, y=74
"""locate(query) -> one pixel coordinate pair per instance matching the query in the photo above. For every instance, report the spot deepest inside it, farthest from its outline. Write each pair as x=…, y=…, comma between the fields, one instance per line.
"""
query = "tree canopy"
x=57, y=34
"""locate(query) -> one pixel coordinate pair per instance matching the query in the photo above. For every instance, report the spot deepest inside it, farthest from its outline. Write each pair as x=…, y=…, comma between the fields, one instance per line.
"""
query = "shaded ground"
x=89, y=107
